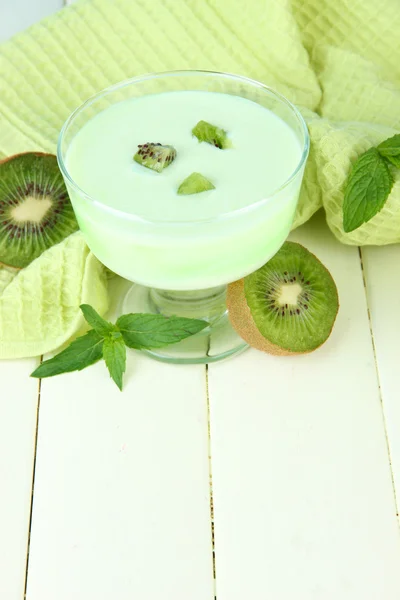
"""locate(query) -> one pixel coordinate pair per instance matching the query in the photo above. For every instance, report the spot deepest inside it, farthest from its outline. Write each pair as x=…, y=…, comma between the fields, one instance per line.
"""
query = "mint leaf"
x=106, y=341
x=99, y=324
x=368, y=188
x=83, y=352
x=141, y=330
x=390, y=149
x=114, y=354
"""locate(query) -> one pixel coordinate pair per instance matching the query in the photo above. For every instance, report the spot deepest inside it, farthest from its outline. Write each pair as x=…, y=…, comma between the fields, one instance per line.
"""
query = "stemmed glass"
x=183, y=267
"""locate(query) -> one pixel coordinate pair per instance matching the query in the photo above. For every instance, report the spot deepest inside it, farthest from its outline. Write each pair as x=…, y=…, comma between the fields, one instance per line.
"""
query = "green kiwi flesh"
x=195, y=184
x=205, y=132
x=155, y=156
x=35, y=210
x=293, y=300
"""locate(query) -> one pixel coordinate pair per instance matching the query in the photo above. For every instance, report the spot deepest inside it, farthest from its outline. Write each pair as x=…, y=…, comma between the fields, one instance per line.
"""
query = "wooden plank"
x=382, y=277
x=121, y=503
x=303, y=498
x=18, y=408
x=20, y=14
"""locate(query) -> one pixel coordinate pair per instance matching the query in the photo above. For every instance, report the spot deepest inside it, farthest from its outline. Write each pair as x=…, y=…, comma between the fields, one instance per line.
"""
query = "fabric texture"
x=338, y=60
x=39, y=308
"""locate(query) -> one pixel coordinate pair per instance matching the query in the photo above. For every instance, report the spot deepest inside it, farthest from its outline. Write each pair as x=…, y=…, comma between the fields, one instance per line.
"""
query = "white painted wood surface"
x=303, y=499
x=18, y=408
x=121, y=505
x=382, y=276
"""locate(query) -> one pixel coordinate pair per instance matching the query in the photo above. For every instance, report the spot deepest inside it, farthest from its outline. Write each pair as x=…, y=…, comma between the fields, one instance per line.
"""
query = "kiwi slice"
x=288, y=306
x=155, y=156
x=205, y=132
x=194, y=184
x=35, y=210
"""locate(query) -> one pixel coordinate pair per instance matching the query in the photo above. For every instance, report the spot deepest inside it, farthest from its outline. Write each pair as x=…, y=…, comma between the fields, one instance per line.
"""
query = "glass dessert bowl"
x=181, y=251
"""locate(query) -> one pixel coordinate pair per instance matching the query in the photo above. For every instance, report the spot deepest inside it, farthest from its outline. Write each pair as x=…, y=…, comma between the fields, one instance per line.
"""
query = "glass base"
x=216, y=342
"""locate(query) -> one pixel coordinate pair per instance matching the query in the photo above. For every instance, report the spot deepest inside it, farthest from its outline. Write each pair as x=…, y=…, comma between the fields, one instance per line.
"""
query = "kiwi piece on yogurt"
x=195, y=184
x=205, y=132
x=155, y=156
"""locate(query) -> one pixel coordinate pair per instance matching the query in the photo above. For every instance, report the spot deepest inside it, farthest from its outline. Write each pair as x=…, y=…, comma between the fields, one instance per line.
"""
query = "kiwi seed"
x=155, y=156
x=288, y=306
x=35, y=210
x=205, y=132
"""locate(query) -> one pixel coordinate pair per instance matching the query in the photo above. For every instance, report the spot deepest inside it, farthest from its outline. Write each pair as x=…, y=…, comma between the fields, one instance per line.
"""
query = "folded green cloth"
x=39, y=308
x=338, y=60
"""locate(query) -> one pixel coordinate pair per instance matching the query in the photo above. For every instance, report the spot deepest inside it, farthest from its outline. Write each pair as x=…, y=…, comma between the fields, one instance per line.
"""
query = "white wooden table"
x=292, y=463
x=257, y=478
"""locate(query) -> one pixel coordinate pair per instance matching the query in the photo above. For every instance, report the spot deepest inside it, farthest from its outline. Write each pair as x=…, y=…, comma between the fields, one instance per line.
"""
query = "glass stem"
x=209, y=304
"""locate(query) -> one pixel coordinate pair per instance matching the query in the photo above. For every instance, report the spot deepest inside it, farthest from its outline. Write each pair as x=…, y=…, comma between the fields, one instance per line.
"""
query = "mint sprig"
x=370, y=183
x=109, y=341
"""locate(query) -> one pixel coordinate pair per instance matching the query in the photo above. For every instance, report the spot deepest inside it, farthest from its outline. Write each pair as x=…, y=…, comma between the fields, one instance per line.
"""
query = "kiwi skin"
x=243, y=322
x=65, y=221
x=3, y=265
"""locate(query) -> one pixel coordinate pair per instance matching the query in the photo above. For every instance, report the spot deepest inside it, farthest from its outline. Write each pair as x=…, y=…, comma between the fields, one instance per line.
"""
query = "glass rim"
x=186, y=72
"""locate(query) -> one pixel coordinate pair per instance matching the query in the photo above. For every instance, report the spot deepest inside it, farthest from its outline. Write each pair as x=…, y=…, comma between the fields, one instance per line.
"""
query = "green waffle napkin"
x=338, y=60
x=39, y=308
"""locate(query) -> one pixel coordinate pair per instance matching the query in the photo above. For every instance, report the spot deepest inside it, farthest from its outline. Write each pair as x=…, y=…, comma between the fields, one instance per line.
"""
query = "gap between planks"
x=210, y=479
x=33, y=484
x=379, y=386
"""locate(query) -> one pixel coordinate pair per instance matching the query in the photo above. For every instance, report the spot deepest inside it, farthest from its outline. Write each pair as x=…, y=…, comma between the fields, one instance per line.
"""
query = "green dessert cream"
x=137, y=223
